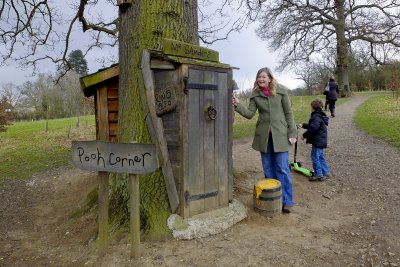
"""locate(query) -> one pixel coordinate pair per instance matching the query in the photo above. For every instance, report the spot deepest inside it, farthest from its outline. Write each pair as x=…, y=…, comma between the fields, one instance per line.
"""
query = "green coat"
x=275, y=115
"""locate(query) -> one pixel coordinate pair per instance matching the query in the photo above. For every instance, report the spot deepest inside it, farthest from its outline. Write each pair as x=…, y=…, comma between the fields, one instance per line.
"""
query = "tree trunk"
x=142, y=26
x=342, y=50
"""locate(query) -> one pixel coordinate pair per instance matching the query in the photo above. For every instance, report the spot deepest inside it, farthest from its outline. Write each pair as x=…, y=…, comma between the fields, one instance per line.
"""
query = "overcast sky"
x=243, y=50
x=246, y=51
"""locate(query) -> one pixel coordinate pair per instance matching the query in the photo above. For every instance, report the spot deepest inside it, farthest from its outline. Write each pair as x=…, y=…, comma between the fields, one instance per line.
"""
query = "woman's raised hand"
x=235, y=100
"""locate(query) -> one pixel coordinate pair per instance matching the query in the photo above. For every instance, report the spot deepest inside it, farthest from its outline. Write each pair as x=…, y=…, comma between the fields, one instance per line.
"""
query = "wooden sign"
x=165, y=100
x=177, y=48
x=114, y=157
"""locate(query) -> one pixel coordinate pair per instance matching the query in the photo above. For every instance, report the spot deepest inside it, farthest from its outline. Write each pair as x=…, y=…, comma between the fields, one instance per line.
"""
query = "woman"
x=332, y=95
x=275, y=130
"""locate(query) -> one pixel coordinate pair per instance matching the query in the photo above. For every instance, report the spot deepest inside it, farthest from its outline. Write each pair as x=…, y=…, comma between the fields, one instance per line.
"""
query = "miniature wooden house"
x=103, y=86
x=188, y=102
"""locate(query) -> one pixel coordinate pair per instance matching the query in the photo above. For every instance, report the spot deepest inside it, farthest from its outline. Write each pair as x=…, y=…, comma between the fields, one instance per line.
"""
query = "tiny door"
x=206, y=132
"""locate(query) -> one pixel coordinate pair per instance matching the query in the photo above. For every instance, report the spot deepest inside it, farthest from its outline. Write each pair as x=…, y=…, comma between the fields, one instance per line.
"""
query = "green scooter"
x=296, y=166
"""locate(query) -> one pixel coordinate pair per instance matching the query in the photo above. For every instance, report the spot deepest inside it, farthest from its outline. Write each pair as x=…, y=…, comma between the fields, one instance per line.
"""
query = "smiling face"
x=263, y=79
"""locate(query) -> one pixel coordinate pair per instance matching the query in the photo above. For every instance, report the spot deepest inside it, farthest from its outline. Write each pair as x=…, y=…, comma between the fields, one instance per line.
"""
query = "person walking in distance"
x=317, y=136
x=275, y=130
x=332, y=95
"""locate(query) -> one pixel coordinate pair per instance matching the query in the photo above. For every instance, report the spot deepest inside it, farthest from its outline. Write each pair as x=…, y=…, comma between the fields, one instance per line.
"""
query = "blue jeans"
x=319, y=163
x=276, y=165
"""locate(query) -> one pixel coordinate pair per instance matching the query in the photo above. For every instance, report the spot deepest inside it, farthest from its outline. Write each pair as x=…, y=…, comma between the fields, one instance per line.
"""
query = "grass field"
x=379, y=116
x=26, y=148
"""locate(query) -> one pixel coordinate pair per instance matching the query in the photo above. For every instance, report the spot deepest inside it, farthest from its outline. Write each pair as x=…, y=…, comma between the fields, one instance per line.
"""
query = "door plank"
x=222, y=139
x=211, y=182
x=195, y=177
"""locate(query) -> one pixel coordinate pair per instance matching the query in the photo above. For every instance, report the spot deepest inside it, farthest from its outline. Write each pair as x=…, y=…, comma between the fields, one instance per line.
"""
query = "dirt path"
x=352, y=219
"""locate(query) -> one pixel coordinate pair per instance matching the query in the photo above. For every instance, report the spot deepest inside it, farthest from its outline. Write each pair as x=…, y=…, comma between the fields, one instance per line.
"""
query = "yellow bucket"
x=268, y=197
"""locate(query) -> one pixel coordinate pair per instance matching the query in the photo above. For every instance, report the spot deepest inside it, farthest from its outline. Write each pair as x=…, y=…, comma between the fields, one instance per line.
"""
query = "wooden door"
x=207, y=156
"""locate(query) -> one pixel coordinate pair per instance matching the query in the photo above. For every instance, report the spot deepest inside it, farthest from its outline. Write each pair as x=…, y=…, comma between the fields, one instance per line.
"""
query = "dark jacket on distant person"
x=333, y=92
x=317, y=132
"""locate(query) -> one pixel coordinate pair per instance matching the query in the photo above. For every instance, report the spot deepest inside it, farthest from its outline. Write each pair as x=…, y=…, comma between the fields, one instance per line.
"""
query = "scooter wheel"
x=299, y=164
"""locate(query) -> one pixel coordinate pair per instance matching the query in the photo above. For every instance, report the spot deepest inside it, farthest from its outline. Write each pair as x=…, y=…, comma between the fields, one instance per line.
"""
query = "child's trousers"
x=319, y=163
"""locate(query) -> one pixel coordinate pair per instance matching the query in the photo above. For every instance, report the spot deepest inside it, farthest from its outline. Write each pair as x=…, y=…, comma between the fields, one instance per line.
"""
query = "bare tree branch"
x=33, y=31
x=301, y=30
x=218, y=20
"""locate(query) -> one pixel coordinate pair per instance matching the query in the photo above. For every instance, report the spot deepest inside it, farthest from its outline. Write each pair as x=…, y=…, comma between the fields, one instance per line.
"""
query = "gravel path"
x=367, y=170
x=354, y=154
x=364, y=164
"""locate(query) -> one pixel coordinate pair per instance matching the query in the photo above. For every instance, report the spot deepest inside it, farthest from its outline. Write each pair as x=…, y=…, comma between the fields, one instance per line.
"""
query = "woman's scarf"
x=265, y=91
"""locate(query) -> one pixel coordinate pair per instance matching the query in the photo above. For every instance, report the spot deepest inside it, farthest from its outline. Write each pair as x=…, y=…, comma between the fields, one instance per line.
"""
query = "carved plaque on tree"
x=165, y=100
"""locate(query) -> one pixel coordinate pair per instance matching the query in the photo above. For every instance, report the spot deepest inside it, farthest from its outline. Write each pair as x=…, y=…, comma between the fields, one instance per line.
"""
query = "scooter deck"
x=304, y=171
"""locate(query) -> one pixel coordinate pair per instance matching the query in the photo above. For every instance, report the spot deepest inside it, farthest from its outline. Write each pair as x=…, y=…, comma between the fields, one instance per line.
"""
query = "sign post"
x=107, y=157
x=134, y=215
x=102, y=238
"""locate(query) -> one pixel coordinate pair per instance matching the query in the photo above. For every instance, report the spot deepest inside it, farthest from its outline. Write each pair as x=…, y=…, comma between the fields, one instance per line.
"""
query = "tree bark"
x=142, y=26
x=342, y=50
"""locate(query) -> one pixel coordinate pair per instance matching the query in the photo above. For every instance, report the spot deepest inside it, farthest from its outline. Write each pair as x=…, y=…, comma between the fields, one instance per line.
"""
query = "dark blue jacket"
x=317, y=133
x=333, y=92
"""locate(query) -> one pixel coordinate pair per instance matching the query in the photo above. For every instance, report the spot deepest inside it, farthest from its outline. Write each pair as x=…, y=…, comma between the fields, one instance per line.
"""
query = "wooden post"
x=156, y=129
x=102, y=239
x=134, y=216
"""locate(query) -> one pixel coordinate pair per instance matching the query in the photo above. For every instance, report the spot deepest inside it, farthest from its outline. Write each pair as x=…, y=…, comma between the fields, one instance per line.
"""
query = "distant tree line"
x=48, y=96
x=45, y=99
x=362, y=77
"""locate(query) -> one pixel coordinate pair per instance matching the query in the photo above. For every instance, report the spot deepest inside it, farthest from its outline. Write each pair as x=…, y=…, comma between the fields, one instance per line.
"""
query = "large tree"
x=142, y=26
x=312, y=30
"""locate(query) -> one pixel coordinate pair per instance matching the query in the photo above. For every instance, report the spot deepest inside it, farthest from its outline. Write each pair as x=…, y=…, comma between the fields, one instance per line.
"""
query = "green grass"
x=376, y=92
x=26, y=148
x=243, y=128
x=379, y=116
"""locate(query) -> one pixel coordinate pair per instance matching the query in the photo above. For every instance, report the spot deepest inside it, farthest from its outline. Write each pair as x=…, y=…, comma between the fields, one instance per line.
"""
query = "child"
x=317, y=136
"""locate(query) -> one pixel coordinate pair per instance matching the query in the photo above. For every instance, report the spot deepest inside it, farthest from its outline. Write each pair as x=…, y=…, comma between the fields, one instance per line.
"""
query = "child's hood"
x=321, y=115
